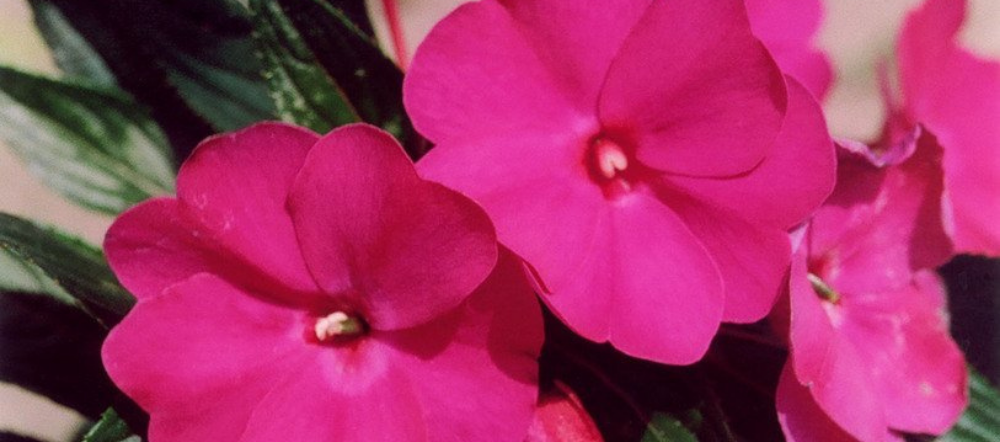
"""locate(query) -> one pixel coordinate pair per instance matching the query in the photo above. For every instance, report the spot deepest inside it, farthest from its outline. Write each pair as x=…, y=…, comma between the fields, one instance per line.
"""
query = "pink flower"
x=630, y=152
x=954, y=96
x=787, y=28
x=306, y=288
x=870, y=349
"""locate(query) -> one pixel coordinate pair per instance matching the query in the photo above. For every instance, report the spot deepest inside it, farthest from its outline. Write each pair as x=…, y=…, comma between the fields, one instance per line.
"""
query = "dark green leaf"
x=53, y=349
x=6, y=436
x=372, y=83
x=357, y=12
x=110, y=428
x=981, y=420
x=95, y=147
x=664, y=428
x=189, y=61
x=301, y=89
x=75, y=266
x=72, y=53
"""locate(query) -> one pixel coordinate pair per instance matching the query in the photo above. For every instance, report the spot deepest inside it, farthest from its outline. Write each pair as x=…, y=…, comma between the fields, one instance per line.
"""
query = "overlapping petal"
x=710, y=106
x=252, y=223
x=487, y=348
x=477, y=76
x=801, y=165
x=788, y=28
x=359, y=210
x=202, y=354
x=882, y=223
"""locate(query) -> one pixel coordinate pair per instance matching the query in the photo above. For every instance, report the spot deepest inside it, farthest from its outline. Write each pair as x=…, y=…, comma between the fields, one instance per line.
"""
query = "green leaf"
x=301, y=89
x=54, y=350
x=372, y=83
x=664, y=428
x=93, y=146
x=191, y=62
x=110, y=428
x=981, y=420
x=75, y=266
x=72, y=53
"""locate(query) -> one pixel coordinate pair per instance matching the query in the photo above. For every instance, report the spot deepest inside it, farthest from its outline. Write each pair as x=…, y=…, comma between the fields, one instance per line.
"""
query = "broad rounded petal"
x=668, y=293
x=150, y=247
x=829, y=364
x=801, y=169
x=752, y=259
x=412, y=248
x=576, y=39
x=235, y=186
x=708, y=104
x=788, y=29
x=204, y=352
x=801, y=419
x=903, y=336
x=964, y=118
x=475, y=371
x=477, y=76
x=881, y=224
x=316, y=403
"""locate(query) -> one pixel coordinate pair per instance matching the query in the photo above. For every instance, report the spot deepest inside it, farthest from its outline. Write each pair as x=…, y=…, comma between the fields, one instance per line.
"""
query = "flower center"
x=338, y=325
x=823, y=290
x=609, y=158
x=610, y=166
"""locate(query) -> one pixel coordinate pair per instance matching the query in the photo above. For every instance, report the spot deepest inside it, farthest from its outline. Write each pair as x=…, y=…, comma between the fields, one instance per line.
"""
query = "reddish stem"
x=396, y=31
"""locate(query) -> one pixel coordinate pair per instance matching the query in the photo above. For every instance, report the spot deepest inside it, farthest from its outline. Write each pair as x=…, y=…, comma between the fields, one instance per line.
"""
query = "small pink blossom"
x=644, y=157
x=870, y=349
x=954, y=96
x=305, y=288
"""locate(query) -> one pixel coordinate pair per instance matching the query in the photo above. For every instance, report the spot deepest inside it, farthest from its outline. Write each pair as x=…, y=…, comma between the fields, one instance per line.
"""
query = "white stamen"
x=336, y=324
x=610, y=158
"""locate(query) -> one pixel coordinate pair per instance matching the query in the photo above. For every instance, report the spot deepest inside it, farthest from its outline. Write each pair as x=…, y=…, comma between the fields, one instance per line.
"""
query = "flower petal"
x=828, y=363
x=752, y=259
x=881, y=224
x=801, y=419
x=475, y=371
x=788, y=28
x=150, y=247
x=576, y=39
x=710, y=105
x=414, y=249
x=903, y=336
x=235, y=187
x=203, y=352
x=801, y=168
x=317, y=403
x=667, y=292
x=476, y=76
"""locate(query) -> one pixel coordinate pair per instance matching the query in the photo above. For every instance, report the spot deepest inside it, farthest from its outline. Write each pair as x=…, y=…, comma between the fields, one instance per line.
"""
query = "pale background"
x=857, y=34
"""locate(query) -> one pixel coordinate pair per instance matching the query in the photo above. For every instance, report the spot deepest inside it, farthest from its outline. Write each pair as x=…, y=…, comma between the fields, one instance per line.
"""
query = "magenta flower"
x=787, y=28
x=305, y=288
x=956, y=97
x=630, y=152
x=870, y=348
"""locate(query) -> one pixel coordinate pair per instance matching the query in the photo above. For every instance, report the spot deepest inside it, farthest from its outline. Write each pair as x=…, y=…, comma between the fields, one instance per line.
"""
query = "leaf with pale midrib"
x=72, y=53
x=95, y=147
x=301, y=89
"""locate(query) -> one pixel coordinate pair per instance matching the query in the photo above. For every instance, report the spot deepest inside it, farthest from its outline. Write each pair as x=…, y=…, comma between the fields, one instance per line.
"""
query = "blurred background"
x=857, y=34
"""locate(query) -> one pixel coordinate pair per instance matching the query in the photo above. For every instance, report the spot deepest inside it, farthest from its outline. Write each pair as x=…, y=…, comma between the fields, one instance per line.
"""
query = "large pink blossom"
x=954, y=96
x=310, y=289
x=645, y=157
x=870, y=348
